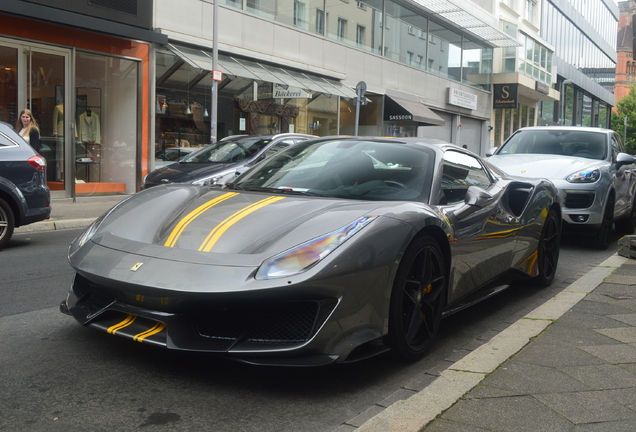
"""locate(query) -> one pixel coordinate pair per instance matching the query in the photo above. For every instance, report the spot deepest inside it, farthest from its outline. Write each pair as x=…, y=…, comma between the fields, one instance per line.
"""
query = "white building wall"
x=262, y=39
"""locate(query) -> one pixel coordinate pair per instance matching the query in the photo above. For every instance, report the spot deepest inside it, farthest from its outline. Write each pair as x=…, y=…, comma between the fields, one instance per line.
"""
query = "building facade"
x=583, y=34
x=82, y=68
x=293, y=66
x=626, y=65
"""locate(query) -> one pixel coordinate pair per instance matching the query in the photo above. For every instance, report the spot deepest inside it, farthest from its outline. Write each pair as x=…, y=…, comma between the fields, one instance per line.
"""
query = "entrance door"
x=36, y=77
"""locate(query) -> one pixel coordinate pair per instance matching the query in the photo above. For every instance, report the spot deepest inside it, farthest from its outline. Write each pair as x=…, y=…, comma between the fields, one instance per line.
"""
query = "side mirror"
x=476, y=198
x=624, y=159
x=491, y=151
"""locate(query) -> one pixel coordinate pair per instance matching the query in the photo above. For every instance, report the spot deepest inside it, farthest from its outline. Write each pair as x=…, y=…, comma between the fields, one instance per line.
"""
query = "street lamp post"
x=215, y=63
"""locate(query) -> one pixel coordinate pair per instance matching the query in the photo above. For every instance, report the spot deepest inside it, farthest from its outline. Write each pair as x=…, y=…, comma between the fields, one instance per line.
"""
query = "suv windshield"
x=346, y=168
x=587, y=144
x=234, y=150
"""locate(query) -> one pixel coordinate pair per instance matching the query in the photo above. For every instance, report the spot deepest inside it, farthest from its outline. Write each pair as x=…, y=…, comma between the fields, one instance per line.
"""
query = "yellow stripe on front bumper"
x=159, y=326
x=125, y=323
x=183, y=223
x=220, y=229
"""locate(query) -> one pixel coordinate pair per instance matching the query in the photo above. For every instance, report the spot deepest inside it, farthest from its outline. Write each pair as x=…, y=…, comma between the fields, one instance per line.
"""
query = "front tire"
x=548, y=253
x=417, y=299
x=7, y=223
x=628, y=224
x=601, y=239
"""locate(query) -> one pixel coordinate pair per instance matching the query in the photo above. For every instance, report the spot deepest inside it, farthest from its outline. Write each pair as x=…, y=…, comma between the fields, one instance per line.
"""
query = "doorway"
x=36, y=77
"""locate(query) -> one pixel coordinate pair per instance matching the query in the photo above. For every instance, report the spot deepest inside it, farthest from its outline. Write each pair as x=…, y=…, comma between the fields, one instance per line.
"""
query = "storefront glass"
x=370, y=123
x=8, y=85
x=106, y=91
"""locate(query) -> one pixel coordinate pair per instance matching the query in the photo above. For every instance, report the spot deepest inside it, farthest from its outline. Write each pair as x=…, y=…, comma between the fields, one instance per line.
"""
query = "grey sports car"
x=333, y=250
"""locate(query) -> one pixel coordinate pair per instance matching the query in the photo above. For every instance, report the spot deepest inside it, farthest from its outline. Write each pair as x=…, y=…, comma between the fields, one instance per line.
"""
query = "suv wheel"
x=7, y=223
x=601, y=239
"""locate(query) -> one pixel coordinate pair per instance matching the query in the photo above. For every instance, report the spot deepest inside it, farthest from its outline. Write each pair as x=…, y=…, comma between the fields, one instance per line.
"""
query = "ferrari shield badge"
x=136, y=266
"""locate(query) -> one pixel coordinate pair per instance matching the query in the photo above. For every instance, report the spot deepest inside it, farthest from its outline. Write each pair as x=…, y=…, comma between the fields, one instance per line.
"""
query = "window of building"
x=342, y=29
x=509, y=54
x=299, y=14
x=360, y=35
x=320, y=21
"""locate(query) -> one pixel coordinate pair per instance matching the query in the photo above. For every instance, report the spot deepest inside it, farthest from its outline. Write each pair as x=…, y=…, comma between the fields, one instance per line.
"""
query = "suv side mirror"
x=624, y=159
x=491, y=151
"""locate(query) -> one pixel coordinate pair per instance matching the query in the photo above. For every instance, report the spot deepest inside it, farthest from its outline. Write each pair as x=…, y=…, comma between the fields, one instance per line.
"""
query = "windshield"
x=346, y=168
x=229, y=151
x=587, y=144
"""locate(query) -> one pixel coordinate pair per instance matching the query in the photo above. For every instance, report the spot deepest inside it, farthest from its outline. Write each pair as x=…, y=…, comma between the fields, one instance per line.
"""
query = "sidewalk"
x=66, y=214
x=569, y=365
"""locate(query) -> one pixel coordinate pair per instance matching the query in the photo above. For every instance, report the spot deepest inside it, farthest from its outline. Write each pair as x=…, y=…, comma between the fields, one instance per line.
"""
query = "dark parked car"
x=595, y=176
x=332, y=250
x=24, y=196
x=217, y=163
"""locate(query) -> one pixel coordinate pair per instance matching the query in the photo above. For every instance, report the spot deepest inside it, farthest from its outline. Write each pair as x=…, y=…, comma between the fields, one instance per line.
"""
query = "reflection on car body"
x=332, y=250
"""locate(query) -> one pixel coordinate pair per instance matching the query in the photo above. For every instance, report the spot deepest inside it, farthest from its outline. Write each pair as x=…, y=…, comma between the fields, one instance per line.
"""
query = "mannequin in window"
x=28, y=129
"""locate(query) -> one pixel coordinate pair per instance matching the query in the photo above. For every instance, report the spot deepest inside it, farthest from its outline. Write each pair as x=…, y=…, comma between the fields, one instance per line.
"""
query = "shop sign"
x=506, y=96
x=290, y=92
x=541, y=88
x=462, y=98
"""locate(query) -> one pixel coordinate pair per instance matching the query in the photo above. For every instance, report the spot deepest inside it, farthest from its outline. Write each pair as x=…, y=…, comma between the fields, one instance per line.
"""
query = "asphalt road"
x=57, y=375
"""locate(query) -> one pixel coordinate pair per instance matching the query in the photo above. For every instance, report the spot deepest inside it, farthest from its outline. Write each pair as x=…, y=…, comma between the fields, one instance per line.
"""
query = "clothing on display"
x=58, y=120
x=89, y=127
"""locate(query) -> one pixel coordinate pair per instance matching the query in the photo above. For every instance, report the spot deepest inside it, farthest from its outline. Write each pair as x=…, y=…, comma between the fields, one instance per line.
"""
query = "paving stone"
x=601, y=377
x=621, y=279
x=345, y=428
x=624, y=396
x=586, y=407
x=619, y=426
x=420, y=383
x=600, y=305
x=514, y=414
x=400, y=394
x=364, y=416
x=556, y=355
x=619, y=353
x=443, y=425
x=486, y=391
x=589, y=320
x=621, y=334
x=625, y=318
x=519, y=377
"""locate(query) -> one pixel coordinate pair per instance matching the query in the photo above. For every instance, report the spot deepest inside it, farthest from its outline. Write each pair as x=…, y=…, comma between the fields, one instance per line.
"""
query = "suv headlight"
x=213, y=179
x=585, y=176
x=308, y=254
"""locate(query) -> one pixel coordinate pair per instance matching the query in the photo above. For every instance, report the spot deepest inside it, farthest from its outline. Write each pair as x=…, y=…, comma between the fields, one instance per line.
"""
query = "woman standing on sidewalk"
x=27, y=128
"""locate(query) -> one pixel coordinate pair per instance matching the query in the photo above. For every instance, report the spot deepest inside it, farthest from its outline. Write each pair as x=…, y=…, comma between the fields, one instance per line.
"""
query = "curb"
x=50, y=225
x=414, y=413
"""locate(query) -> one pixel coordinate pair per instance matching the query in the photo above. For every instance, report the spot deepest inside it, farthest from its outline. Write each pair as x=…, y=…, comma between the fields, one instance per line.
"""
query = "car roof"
x=567, y=128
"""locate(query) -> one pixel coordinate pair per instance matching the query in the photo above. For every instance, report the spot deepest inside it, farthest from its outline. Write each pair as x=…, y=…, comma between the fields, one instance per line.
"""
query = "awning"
x=396, y=109
x=238, y=67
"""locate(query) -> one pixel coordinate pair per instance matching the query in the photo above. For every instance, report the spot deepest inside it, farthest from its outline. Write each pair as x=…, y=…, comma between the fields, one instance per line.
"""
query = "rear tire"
x=548, y=253
x=600, y=240
x=627, y=225
x=417, y=299
x=7, y=223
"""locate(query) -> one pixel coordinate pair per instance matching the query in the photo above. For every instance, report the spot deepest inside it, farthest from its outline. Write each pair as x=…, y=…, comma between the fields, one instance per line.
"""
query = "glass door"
x=46, y=83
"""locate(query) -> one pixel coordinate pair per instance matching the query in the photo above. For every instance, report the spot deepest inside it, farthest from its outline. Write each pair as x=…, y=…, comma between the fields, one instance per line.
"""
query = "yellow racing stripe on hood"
x=220, y=229
x=183, y=223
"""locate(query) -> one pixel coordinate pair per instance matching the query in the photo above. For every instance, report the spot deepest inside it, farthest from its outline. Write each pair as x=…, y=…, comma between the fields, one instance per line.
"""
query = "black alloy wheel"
x=417, y=299
x=548, y=253
x=628, y=224
x=601, y=239
x=7, y=223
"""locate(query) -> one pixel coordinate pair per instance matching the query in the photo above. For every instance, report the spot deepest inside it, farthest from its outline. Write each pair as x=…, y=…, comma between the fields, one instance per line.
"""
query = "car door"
x=482, y=245
x=622, y=179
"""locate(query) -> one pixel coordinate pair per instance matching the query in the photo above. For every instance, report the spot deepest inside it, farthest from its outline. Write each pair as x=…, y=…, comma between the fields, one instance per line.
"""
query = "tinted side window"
x=460, y=171
x=6, y=142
